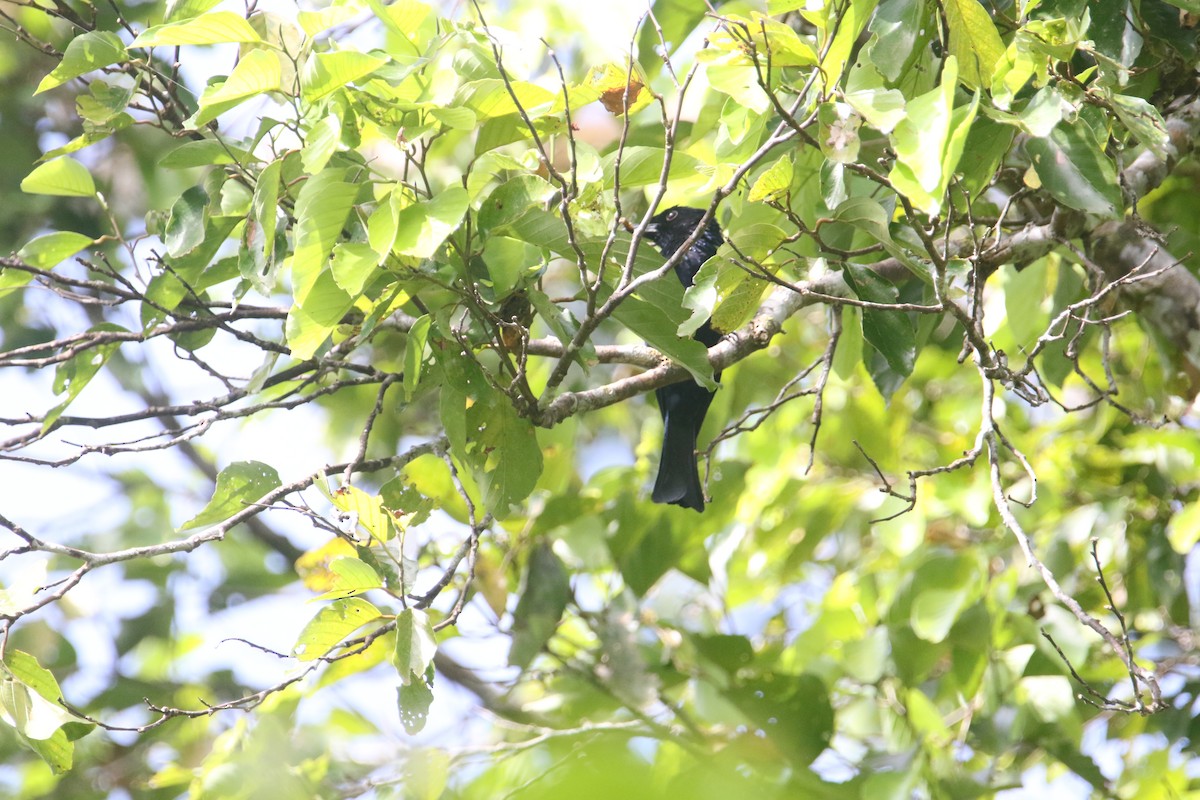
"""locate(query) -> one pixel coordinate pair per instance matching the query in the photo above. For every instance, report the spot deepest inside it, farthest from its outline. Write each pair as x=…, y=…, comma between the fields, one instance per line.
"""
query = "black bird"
x=683, y=404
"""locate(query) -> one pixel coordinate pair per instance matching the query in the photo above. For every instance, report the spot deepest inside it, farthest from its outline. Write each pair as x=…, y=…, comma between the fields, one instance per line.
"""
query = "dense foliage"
x=327, y=338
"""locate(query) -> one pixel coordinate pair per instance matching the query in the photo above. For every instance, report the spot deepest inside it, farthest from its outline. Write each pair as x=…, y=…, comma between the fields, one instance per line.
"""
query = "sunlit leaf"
x=64, y=177
x=774, y=182
x=214, y=27
x=415, y=644
x=423, y=227
x=239, y=485
x=258, y=71
x=350, y=577
x=84, y=53
x=51, y=249
x=327, y=72
x=331, y=625
x=974, y=41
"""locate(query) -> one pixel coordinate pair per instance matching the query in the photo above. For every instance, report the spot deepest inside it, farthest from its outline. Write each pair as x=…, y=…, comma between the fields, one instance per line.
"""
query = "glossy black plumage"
x=683, y=404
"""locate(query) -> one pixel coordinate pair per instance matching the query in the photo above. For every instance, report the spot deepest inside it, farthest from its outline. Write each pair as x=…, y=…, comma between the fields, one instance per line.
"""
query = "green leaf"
x=104, y=104
x=414, y=699
x=510, y=263
x=487, y=434
x=410, y=20
x=322, y=142
x=1071, y=166
x=72, y=375
x=943, y=587
x=929, y=143
x=883, y=109
x=647, y=547
x=511, y=200
x=178, y=10
x=29, y=712
x=459, y=119
x=1183, y=531
x=264, y=207
x=319, y=21
x=786, y=47
x=793, y=711
x=239, y=485
x=676, y=19
x=512, y=460
x=896, y=26
x=1144, y=122
x=774, y=182
x=62, y=177
x=215, y=27
x=1051, y=697
x=490, y=98
x=353, y=263
x=988, y=143
x=844, y=21
x=325, y=73
x=12, y=278
x=310, y=322
x=322, y=207
x=414, y=355
x=563, y=323
x=423, y=227
x=51, y=249
x=203, y=153
x=186, y=225
x=415, y=645
x=381, y=224
x=42, y=715
x=849, y=352
x=331, y=625
x=974, y=41
x=642, y=166
x=542, y=603
x=369, y=511
x=1026, y=301
x=257, y=72
x=84, y=53
x=350, y=577
x=869, y=216
x=889, y=332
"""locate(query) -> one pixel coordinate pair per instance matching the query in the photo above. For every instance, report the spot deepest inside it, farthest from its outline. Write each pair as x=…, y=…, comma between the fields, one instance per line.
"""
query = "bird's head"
x=671, y=228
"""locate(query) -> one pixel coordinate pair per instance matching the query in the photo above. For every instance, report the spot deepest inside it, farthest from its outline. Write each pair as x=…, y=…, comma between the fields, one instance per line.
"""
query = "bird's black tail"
x=683, y=406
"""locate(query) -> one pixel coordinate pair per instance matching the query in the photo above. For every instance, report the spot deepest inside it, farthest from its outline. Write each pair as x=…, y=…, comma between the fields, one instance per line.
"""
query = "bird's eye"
x=671, y=215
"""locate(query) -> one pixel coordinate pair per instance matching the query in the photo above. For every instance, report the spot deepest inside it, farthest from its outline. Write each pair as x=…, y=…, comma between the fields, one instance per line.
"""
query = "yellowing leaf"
x=313, y=566
x=619, y=87
x=774, y=182
x=331, y=626
x=216, y=27
x=351, y=577
x=368, y=509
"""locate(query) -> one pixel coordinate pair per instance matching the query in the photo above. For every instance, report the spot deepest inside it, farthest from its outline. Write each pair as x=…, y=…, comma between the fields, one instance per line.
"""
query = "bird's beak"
x=652, y=229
